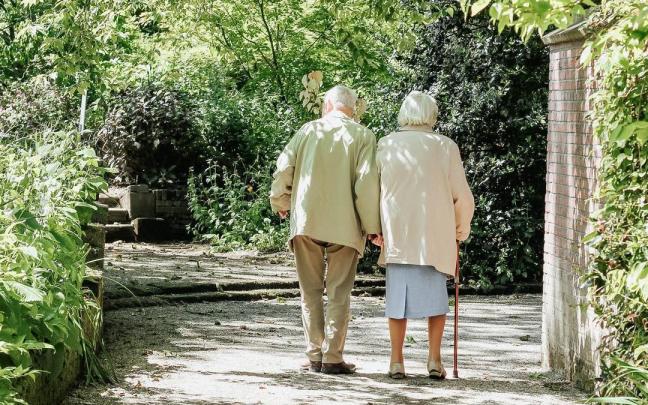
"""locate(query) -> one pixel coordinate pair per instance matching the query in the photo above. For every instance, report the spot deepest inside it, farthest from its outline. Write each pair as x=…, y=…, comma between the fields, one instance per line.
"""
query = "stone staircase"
x=139, y=214
x=118, y=224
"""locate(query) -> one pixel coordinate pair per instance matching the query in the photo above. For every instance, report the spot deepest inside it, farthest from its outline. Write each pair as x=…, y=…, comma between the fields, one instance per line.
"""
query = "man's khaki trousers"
x=317, y=261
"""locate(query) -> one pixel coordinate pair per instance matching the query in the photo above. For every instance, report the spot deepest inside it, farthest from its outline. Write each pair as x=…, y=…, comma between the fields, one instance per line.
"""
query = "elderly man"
x=327, y=178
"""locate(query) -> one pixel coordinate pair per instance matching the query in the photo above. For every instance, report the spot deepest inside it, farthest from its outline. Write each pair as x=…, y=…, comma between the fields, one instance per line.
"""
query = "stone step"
x=112, y=303
x=123, y=232
x=118, y=215
x=151, y=229
x=100, y=216
x=109, y=200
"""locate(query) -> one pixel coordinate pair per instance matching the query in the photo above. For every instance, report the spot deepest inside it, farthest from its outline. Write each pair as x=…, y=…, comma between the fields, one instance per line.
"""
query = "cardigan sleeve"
x=464, y=203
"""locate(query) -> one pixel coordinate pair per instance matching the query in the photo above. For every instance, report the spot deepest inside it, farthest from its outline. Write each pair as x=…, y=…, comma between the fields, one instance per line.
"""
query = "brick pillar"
x=570, y=335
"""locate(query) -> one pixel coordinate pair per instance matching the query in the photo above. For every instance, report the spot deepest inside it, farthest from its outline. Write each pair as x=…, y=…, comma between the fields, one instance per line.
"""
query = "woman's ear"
x=328, y=107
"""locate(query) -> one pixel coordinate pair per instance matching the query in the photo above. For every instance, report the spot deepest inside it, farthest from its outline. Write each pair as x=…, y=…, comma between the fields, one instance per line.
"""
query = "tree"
x=70, y=40
x=268, y=45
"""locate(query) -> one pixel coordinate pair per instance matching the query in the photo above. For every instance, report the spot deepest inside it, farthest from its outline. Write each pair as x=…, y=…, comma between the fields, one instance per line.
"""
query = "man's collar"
x=338, y=114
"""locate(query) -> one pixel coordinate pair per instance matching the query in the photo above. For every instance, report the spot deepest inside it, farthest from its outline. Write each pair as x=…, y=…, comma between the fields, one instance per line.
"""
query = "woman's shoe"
x=436, y=370
x=396, y=371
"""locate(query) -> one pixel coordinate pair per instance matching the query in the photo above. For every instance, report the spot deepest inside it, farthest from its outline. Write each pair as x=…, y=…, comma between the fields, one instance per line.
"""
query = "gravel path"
x=233, y=352
x=249, y=352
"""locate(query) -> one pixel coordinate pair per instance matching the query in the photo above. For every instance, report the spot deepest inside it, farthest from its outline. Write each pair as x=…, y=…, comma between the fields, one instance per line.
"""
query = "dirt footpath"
x=234, y=352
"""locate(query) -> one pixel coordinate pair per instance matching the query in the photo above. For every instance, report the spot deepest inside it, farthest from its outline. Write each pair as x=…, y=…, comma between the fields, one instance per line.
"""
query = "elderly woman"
x=426, y=207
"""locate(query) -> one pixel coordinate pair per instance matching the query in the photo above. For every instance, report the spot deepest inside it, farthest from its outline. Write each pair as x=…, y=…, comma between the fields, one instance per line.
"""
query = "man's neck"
x=344, y=110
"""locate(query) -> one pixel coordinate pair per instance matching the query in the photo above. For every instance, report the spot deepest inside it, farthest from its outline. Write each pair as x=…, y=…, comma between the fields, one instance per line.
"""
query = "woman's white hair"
x=341, y=96
x=418, y=109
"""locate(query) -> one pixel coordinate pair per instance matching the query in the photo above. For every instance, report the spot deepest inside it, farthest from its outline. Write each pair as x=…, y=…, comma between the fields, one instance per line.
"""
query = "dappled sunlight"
x=250, y=352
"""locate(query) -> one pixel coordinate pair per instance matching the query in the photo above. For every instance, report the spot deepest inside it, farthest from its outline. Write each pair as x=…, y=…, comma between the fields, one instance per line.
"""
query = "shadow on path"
x=250, y=352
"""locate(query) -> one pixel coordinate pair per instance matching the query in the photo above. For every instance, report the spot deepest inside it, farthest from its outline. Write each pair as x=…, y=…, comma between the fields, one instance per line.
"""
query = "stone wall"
x=63, y=368
x=570, y=335
x=171, y=205
x=139, y=213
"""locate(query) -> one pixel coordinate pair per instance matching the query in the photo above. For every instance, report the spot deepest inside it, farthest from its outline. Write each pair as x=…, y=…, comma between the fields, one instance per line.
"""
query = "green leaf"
x=630, y=130
x=29, y=251
x=63, y=239
x=642, y=136
x=478, y=6
x=87, y=153
x=590, y=236
x=28, y=218
x=640, y=350
x=638, y=279
x=29, y=294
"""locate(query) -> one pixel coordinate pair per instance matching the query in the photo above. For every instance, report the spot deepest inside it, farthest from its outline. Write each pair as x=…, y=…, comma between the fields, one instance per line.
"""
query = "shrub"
x=492, y=95
x=33, y=107
x=47, y=185
x=148, y=135
x=231, y=209
x=618, y=274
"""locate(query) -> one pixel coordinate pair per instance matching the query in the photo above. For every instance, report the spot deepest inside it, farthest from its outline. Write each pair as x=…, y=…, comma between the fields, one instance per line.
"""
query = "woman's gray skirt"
x=415, y=291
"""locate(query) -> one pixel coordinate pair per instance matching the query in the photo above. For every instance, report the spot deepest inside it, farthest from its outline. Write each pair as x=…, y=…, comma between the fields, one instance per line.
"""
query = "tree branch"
x=275, y=61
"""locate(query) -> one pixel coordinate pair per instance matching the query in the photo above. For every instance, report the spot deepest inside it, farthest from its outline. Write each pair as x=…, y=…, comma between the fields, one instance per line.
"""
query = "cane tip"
x=455, y=373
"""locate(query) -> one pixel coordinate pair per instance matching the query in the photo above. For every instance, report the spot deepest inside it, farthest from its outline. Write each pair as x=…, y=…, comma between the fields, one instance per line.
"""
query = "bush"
x=46, y=189
x=148, y=135
x=231, y=209
x=34, y=107
x=492, y=95
x=618, y=273
x=230, y=200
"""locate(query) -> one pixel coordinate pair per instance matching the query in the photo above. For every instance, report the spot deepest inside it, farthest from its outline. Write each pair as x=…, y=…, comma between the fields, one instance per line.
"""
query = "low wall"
x=171, y=205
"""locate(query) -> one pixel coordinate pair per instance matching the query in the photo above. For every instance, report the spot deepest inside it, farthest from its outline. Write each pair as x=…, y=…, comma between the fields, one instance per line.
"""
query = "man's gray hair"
x=341, y=96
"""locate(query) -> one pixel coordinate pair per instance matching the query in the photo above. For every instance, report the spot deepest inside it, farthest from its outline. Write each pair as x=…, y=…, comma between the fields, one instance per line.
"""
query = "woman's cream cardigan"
x=426, y=204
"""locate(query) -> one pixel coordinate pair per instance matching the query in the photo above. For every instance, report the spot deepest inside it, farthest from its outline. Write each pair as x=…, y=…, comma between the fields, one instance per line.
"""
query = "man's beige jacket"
x=426, y=204
x=327, y=177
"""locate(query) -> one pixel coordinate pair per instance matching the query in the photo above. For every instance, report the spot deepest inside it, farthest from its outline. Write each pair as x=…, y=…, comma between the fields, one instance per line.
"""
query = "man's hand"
x=376, y=239
x=283, y=214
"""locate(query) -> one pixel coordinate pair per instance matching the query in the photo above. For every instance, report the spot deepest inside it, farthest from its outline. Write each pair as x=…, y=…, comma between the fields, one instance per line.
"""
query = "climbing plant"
x=618, y=51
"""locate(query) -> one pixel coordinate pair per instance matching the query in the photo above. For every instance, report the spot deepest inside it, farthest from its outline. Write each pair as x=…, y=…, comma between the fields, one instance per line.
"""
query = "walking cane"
x=455, y=371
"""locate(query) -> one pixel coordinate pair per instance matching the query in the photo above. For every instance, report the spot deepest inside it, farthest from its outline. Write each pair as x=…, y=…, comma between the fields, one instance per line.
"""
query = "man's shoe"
x=338, y=368
x=315, y=366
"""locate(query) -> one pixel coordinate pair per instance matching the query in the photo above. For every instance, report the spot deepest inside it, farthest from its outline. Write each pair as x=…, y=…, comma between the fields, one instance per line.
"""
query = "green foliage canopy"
x=72, y=41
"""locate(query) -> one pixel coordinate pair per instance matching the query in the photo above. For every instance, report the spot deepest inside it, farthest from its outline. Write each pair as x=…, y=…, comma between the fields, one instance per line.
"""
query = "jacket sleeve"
x=464, y=203
x=367, y=186
x=281, y=189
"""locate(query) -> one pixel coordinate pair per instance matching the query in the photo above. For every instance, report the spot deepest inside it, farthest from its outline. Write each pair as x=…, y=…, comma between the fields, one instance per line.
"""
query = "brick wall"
x=171, y=205
x=570, y=335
